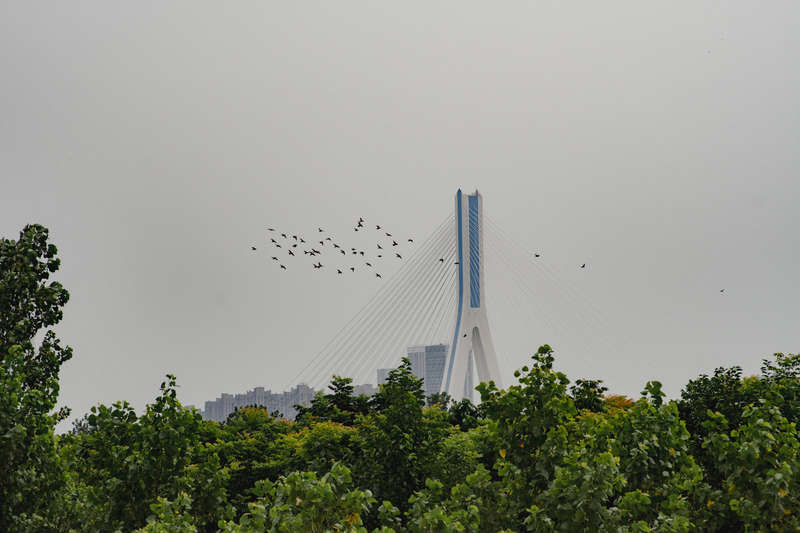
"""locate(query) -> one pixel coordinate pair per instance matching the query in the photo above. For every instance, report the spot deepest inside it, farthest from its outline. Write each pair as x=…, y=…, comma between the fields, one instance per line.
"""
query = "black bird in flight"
x=583, y=265
x=253, y=248
x=379, y=255
x=360, y=225
x=343, y=252
x=301, y=240
x=291, y=252
x=377, y=275
x=361, y=252
x=537, y=255
x=283, y=267
x=283, y=235
x=355, y=229
x=388, y=234
x=377, y=227
x=322, y=243
x=294, y=245
x=352, y=269
x=316, y=251
x=410, y=240
x=328, y=239
x=320, y=230
x=355, y=253
x=394, y=243
x=278, y=245
x=441, y=259
x=274, y=258
x=294, y=237
x=361, y=219
x=722, y=290
x=271, y=229
x=455, y=263
x=338, y=271
x=465, y=335
x=380, y=247
x=399, y=256
x=273, y=240
x=369, y=265
x=335, y=245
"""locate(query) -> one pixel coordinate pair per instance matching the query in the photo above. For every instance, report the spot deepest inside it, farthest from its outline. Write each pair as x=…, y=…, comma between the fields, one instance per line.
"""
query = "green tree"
x=301, y=501
x=338, y=406
x=758, y=483
x=399, y=442
x=439, y=398
x=588, y=394
x=131, y=461
x=781, y=380
x=465, y=414
x=29, y=465
x=527, y=413
x=722, y=392
x=250, y=445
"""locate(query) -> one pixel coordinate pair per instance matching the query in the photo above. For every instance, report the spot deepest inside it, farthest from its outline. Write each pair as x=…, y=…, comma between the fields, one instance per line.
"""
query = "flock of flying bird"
x=292, y=245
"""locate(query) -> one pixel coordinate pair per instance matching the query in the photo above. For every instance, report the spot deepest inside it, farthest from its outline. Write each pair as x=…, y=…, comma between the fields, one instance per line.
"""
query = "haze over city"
x=158, y=143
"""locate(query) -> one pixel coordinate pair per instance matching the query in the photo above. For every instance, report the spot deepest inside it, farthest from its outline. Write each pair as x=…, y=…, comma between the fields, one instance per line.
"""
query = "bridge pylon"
x=472, y=335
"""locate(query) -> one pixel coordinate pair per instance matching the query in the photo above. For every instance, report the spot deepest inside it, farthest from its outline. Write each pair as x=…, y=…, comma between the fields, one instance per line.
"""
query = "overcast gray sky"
x=658, y=143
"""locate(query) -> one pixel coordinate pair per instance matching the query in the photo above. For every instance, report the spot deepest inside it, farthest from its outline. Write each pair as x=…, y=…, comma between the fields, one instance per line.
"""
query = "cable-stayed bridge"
x=439, y=297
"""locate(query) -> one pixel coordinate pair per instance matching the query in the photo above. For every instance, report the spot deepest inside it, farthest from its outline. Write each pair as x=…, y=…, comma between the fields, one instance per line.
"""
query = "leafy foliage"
x=29, y=464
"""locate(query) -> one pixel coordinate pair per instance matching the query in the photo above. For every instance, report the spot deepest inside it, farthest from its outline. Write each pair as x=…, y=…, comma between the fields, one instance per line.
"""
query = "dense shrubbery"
x=539, y=456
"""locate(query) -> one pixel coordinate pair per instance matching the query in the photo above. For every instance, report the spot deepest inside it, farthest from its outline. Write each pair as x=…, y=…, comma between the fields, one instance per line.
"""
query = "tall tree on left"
x=29, y=368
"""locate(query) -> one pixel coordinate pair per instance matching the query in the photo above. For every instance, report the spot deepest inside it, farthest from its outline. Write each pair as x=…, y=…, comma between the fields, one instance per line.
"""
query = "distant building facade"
x=282, y=402
x=367, y=389
x=427, y=362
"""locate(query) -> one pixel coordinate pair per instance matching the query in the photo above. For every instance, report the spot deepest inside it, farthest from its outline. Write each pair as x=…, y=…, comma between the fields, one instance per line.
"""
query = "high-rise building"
x=427, y=362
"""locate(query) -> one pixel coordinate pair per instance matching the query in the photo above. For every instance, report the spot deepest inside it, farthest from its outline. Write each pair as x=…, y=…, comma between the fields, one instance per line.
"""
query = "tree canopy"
x=545, y=454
